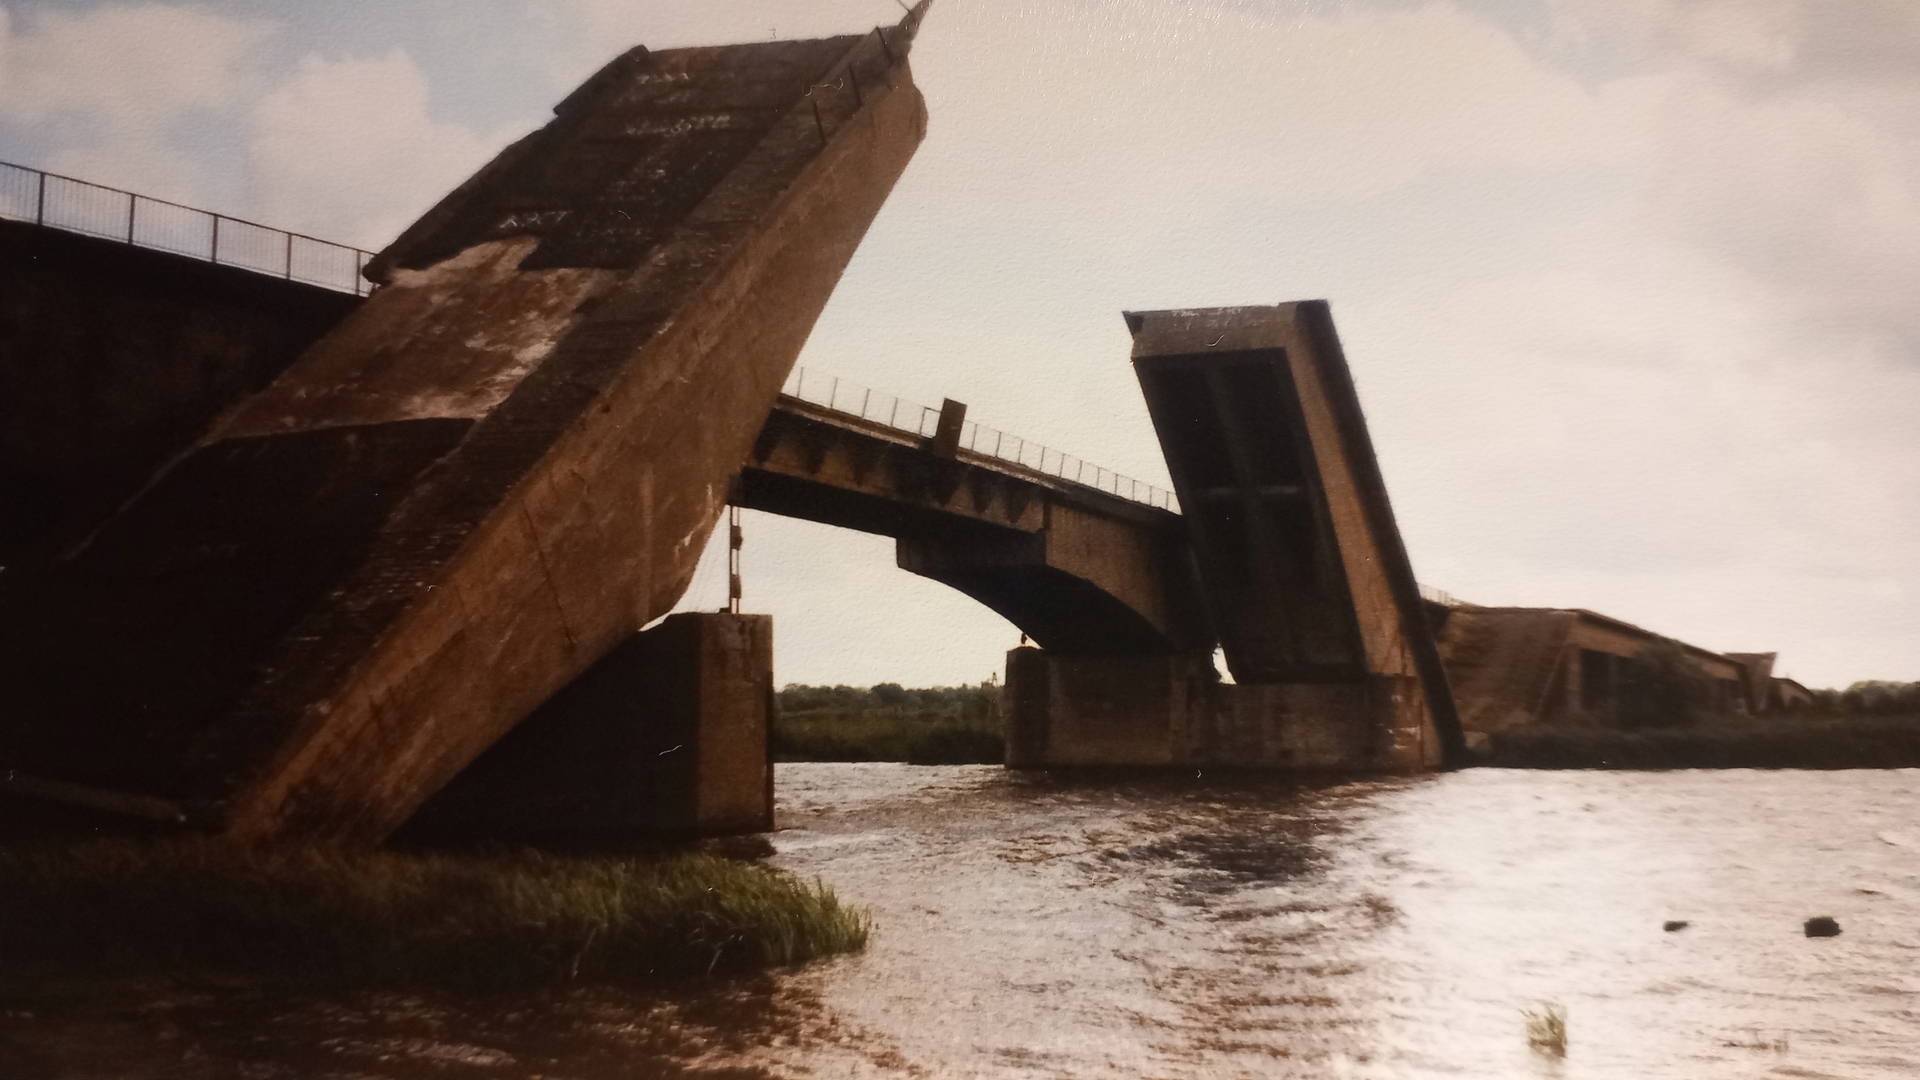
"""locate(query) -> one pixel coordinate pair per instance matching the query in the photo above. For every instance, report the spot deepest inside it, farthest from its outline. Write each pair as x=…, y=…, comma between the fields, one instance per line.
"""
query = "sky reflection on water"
x=1039, y=927
x=1193, y=927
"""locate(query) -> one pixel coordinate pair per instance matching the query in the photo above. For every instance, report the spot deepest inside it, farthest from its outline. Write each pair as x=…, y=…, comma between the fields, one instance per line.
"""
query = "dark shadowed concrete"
x=666, y=735
x=490, y=474
x=114, y=358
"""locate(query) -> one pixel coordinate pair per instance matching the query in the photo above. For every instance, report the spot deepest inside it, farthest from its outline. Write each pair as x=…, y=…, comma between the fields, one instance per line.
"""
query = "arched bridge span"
x=1081, y=570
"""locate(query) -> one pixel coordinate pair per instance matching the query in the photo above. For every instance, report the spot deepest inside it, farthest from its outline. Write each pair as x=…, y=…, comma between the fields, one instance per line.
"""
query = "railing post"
x=289, y=274
x=132, y=201
x=358, y=280
x=213, y=256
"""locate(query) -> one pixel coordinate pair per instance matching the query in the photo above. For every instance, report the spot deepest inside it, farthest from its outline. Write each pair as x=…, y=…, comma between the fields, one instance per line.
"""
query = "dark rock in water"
x=1822, y=926
x=1674, y=924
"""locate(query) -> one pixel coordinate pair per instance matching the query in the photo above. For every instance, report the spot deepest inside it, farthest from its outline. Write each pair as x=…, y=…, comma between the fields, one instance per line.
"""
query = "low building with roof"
x=1517, y=666
x=1786, y=695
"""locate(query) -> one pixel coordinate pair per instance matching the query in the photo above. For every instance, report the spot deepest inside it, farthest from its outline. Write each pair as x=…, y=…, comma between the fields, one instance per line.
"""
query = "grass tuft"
x=332, y=916
x=1547, y=1028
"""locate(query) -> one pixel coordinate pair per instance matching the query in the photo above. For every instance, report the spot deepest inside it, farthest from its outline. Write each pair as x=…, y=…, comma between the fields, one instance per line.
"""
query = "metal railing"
x=61, y=202
x=851, y=399
x=841, y=396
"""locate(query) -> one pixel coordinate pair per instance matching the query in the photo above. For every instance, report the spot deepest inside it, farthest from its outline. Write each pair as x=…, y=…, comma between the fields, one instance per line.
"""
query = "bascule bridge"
x=283, y=560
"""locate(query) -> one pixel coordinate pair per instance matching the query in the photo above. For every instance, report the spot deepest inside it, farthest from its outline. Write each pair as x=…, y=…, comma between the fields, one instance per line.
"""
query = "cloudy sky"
x=1631, y=288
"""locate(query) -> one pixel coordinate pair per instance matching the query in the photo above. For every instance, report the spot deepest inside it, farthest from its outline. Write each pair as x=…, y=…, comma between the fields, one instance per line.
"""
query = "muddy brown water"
x=1029, y=926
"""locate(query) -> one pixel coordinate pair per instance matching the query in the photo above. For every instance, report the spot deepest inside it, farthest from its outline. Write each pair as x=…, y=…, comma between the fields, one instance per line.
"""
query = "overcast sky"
x=1631, y=288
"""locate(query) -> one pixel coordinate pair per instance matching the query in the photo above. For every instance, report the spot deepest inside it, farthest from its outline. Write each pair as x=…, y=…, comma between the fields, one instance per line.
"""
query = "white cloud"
x=1767, y=42
x=1628, y=342
x=348, y=149
x=115, y=82
x=605, y=28
x=1809, y=193
x=120, y=64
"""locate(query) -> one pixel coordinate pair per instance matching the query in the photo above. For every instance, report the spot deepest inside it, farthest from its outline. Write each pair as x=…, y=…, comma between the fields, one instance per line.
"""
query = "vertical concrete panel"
x=1025, y=700
x=1069, y=711
x=1268, y=486
x=735, y=769
x=1119, y=557
x=665, y=736
x=1373, y=603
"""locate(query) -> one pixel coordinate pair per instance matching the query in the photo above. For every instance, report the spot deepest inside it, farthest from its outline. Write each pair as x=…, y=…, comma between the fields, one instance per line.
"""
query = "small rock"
x=1822, y=926
x=1674, y=924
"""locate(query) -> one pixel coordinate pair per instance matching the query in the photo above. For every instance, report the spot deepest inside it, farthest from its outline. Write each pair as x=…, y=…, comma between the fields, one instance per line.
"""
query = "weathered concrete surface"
x=1080, y=571
x=113, y=358
x=1512, y=667
x=666, y=735
x=1174, y=710
x=1300, y=560
x=494, y=471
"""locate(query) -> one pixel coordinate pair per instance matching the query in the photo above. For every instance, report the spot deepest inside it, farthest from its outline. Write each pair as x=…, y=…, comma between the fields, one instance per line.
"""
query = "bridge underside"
x=1082, y=572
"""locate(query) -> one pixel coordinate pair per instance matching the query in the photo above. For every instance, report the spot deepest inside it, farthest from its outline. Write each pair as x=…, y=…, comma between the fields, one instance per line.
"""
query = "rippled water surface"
x=1036, y=927
x=1382, y=929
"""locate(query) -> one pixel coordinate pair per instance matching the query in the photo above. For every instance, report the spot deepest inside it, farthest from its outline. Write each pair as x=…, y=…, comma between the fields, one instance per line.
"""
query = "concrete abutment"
x=1148, y=711
x=666, y=736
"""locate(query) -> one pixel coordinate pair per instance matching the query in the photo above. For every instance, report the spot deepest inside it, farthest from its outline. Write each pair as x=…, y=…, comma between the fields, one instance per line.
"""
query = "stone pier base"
x=1174, y=711
x=665, y=736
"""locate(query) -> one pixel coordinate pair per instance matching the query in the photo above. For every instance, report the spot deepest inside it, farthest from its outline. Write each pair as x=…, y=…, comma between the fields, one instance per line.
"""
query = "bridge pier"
x=665, y=736
x=1093, y=711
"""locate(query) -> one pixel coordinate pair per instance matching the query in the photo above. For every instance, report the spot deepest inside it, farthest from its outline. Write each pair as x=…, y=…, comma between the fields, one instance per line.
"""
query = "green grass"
x=1847, y=742
x=944, y=726
x=474, y=922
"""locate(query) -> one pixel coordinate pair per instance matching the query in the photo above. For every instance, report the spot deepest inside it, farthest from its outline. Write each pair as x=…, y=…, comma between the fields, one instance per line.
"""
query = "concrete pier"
x=1302, y=574
x=665, y=736
x=1066, y=712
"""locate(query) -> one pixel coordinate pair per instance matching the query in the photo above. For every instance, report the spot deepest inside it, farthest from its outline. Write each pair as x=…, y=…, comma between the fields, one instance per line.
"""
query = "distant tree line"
x=945, y=725
x=1873, y=697
x=975, y=704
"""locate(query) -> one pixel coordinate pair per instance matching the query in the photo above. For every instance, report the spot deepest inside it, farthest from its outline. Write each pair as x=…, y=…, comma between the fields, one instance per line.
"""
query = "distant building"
x=1758, y=683
x=1785, y=695
x=1512, y=667
x=1766, y=692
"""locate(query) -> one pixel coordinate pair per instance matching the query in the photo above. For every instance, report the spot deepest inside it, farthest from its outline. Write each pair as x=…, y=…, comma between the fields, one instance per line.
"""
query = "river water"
x=1033, y=926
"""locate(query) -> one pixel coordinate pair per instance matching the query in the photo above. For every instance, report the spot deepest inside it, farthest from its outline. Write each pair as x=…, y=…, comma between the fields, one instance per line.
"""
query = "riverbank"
x=1187, y=927
x=1852, y=742
x=468, y=922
